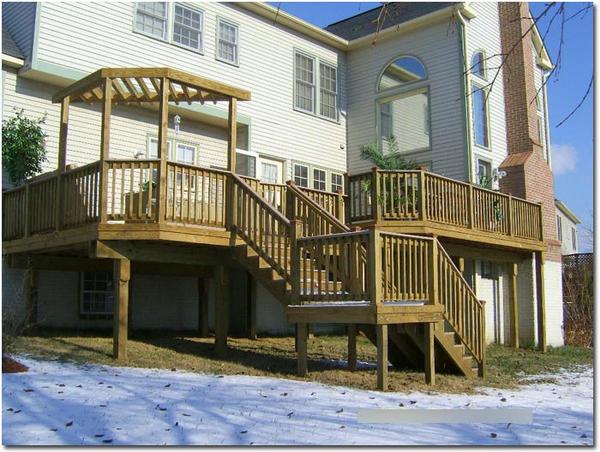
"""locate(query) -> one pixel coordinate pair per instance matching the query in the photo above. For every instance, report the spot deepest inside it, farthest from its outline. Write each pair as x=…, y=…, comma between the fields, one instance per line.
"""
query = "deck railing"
x=385, y=196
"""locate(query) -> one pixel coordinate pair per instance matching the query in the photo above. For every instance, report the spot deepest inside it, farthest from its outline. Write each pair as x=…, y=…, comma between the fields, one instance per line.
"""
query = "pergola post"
x=62, y=160
x=121, y=277
x=232, y=134
x=105, y=146
x=163, y=126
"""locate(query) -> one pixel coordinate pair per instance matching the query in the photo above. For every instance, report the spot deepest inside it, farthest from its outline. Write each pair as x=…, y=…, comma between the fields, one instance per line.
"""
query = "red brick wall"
x=528, y=174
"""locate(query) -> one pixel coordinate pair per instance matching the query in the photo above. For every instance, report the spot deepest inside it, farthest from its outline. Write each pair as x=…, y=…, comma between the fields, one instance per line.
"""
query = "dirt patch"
x=10, y=366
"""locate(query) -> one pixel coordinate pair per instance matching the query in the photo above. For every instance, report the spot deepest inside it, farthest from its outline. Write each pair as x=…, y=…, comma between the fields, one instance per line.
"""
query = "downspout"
x=462, y=29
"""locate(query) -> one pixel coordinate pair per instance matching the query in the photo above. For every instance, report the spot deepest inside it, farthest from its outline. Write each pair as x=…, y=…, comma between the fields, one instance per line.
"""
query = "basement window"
x=97, y=294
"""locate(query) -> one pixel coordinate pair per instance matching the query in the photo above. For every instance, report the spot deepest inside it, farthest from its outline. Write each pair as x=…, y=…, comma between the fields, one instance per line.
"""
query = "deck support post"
x=105, y=148
x=251, y=307
x=352, y=330
x=382, y=357
x=221, y=310
x=62, y=161
x=31, y=296
x=430, y=353
x=514, y=305
x=163, y=126
x=541, y=300
x=302, y=348
x=121, y=277
x=203, y=307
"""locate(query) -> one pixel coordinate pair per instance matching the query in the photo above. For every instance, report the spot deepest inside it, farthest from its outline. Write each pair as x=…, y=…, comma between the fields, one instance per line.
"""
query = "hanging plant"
x=23, y=149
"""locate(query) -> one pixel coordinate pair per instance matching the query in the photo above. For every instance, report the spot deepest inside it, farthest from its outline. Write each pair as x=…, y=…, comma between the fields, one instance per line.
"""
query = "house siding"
x=19, y=19
x=75, y=38
x=566, y=243
x=439, y=48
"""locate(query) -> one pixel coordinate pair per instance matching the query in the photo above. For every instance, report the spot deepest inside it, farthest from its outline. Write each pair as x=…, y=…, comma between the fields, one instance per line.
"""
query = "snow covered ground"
x=56, y=403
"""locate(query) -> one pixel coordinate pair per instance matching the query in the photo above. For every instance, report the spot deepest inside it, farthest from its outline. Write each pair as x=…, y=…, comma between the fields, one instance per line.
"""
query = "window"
x=540, y=129
x=488, y=270
x=227, y=42
x=185, y=153
x=301, y=175
x=97, y=293
x=319, y=179
x=337, y=183
x=304, y=71
x=574, y=239
x=187, y=27
x=478, y=64
x=328, y=90
x=480, y=116
x=406, y=118
x=484, y=174
x=269, y=173
x=559, y=227
x=245, y=164
x=152, y=150
x=402, y=71
x=151, y=19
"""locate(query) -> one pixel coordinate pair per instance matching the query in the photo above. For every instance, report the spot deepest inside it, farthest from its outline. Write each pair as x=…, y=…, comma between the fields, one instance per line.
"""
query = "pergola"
x=137, y=86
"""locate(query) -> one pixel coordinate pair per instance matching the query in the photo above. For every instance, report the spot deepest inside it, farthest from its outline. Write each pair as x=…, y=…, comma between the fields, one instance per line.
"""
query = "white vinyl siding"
x=187, y=27
x=304, y=71
x=151, y=19
x=328, y=91
x=228, y=42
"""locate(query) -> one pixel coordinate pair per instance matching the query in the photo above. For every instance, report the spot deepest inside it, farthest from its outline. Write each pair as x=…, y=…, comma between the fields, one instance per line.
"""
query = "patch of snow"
x=72, y=404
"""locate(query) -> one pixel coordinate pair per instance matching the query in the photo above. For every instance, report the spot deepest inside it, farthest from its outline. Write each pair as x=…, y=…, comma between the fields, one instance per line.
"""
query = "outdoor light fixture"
x=177, y=121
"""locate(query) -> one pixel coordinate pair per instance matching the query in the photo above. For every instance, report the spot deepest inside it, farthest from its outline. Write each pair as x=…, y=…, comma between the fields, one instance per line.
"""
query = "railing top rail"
x=198, y=167
x=292, y=186
x=408, y=236
x=123, y=160
x=332, y=236
x=83, y=168
x=315, y=190
x=13, y=190
x=260, y=200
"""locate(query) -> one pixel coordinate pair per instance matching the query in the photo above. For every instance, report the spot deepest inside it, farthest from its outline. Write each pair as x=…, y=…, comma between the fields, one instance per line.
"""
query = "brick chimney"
x=528, y=174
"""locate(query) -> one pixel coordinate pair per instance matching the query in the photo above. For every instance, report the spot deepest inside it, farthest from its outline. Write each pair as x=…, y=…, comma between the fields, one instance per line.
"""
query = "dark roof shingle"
x=398, y=12
x=9, y=47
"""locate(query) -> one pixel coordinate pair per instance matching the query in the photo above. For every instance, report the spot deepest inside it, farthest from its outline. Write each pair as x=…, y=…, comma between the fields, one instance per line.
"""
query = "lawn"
x=275, y=357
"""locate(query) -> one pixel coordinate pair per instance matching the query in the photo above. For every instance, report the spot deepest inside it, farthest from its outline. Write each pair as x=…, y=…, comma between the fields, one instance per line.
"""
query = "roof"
x=566, y=211
x=143, y=85
x=398, y=12
x=9, y=47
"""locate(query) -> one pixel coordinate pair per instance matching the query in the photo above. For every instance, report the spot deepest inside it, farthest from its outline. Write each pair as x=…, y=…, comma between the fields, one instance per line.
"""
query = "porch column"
x=232, y=134
x=221, y=310
x=430, y=353
x=514, y=305
x=121, y=277
x=163, y=126
x=301, y=341
x=541, y=300
x=382, y=357
x=105, y=146
x=352, y=330
x=62, y=160
x=203, y=307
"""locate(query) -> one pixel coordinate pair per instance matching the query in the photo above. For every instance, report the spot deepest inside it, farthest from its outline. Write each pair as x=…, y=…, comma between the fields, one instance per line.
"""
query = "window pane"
x=319, y=179
x=477, y=65
x=97, y=293
x=337, y=182
x=269, y=173
x=187, y=27
x=185, y=153
x=480, y=120
x=484, y=173
x=406, y=118
x=301, y=175
x=305, y=81
x=228, y=42
x=328, y=81
x=151, y=18
x=402, y=71
x=245, y=165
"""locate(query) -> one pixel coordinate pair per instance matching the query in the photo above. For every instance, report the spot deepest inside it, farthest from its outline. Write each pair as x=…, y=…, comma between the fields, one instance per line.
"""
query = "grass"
x=275, y=357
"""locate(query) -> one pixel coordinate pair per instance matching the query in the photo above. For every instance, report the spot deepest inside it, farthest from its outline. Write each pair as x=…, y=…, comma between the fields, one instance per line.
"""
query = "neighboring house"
x=566, y=229
x=317, y=96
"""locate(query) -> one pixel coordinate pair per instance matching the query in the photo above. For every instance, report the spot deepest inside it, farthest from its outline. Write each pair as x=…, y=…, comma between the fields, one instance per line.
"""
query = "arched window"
x=402, y=71
x=403, y=109
x=478, y=64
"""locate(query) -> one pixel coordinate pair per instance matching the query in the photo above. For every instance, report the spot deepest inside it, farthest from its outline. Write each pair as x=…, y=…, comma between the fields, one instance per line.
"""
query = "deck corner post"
x=374, y=267
x=105, y=148
x=295, y=235
x=513, y=272
x=352, y=331
x=422, y=196
x=375, y=204
x=163, y=126
x=433, y=272
x=541, y=300
x=340, y=208
x=430, y=353
x=510, y=215
x=382, y=357
x=62, y=161
x=302, y=346
x=471, y=205
x=121, y=278
x=541, y=222
x=221, y=310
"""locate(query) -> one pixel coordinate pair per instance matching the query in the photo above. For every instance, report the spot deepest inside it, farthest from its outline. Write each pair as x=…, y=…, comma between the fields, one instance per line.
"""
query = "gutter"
x=12, y=61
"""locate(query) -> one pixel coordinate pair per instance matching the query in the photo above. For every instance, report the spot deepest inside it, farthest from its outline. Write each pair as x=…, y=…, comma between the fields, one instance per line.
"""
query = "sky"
x=571, y=142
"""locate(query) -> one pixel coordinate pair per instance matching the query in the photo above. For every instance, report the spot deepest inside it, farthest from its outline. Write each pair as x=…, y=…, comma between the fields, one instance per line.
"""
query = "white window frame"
x=199, y=50
x=483, y=65
x=166, y=18
x=574, y=238
x=83, y=291
x=153, y=138
x=221, y=20
x=325, y=90
x=333, y=174
x=314, y=86
x=190, y=145
x=314, y=180
x=256, y=161
x=477, y=88
x=559, y=228
x=307, y=174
